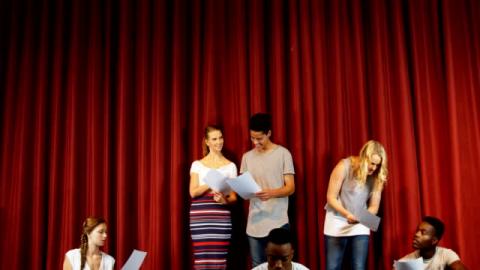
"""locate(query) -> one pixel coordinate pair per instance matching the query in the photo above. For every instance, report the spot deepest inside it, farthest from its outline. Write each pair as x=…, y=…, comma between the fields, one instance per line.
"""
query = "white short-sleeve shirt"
x=295, y=266
x=229, y=170
x=74, y=258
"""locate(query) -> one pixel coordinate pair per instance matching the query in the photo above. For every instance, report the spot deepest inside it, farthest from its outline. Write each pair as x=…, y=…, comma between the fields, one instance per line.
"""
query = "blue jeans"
x=335, y=248
x=258, y=246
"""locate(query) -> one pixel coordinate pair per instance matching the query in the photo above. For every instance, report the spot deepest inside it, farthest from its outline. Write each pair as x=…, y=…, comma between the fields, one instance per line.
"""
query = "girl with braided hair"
x=89, y=256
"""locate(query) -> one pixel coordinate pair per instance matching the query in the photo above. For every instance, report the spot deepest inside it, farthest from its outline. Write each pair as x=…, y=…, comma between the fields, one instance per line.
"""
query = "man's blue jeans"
x=335, y=248
x=257, y=250
x=258, y=246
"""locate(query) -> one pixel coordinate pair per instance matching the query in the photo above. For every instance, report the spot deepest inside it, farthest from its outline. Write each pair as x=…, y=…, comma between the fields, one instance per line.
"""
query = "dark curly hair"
x=437, y=224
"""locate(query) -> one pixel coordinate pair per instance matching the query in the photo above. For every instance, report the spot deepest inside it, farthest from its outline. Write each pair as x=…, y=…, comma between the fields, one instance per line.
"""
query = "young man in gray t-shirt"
x=271, y=166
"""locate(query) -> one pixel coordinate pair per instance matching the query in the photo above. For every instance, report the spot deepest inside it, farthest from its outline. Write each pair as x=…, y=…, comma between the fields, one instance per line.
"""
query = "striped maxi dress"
x=210, y=222
x=210, y=226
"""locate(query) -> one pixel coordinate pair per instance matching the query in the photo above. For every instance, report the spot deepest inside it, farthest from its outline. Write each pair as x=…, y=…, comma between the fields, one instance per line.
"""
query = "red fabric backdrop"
x=103, y=105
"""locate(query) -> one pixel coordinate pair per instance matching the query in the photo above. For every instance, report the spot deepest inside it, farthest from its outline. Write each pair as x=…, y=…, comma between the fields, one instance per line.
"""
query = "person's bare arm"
x=66, y=264
x=374, y=202
x=196, y=189
x=334, y=185
x=457, y=265
x=287, y=189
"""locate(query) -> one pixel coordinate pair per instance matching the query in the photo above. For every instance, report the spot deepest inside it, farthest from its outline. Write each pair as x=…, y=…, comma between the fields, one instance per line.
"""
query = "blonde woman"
x=356, y=181
x=89, y=256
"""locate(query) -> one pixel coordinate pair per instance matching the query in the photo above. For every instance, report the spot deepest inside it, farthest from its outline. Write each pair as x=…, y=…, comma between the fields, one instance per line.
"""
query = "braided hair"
x=88, y=226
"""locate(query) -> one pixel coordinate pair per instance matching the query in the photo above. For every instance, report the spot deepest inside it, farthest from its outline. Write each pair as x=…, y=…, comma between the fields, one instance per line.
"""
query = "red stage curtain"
x=103, y=105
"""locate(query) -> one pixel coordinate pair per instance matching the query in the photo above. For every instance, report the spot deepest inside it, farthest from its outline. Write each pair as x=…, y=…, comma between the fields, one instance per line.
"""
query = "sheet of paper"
x=135, y=260
x=244, y=185
x=416, y=264
x=368, y=219
x=217, y=181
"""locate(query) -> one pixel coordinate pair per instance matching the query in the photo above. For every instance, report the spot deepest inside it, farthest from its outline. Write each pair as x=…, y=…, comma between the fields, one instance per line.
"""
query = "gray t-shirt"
x=268, y=170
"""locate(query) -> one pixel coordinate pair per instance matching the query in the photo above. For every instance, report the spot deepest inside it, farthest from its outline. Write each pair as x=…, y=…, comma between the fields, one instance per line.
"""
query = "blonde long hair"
x=369, y=149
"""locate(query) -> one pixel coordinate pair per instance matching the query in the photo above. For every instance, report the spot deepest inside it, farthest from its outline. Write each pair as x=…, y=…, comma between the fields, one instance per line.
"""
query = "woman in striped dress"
x=210, y=221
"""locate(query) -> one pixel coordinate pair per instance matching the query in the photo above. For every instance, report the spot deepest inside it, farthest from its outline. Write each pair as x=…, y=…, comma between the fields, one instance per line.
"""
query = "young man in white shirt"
x=279, y=252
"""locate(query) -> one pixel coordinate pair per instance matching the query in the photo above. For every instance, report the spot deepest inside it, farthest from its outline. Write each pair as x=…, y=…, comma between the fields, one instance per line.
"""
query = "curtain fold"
x=103, y=106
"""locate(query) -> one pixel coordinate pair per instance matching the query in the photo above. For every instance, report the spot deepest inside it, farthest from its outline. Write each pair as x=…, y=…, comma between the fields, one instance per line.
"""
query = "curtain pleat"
x=103, y=106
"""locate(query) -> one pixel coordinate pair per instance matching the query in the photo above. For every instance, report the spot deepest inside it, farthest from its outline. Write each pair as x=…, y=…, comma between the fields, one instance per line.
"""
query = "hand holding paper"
x=244, y=185
x=416, y=264
x=366, y=218
x=264, y=195
x=217, y=182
